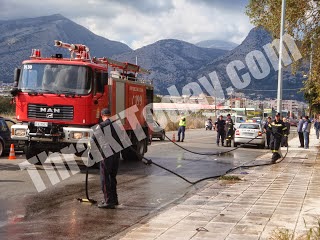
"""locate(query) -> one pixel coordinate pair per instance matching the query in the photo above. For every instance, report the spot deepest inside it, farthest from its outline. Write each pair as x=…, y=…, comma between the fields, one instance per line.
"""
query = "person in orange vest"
x=182, y=128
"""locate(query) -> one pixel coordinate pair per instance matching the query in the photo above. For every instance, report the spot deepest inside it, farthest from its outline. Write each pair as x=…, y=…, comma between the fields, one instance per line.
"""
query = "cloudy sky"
x=141, y=22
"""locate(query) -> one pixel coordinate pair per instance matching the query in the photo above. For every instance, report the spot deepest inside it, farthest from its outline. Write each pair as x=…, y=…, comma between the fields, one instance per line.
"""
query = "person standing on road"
x=317, y=127
x=277, y=128
x=300, y=132
x=182, y=128
x=219, y=126
x=284, y=142
x=108, y=165
x=306, y=131
x=230, y=130
x=268, y=133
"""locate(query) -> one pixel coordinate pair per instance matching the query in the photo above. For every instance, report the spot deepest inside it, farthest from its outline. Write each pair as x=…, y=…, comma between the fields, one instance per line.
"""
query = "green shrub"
x=6, y=107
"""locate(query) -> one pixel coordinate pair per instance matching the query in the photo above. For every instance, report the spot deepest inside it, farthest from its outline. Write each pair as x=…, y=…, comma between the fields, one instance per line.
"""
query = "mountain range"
x=172, y=62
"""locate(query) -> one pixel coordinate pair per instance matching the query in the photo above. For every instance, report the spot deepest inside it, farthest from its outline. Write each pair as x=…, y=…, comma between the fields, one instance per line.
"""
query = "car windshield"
x=249, y=126
x=238, y=119
x=55, y=78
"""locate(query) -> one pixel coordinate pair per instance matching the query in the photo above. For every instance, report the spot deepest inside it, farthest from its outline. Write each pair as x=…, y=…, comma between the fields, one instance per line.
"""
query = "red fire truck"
x=59, y=99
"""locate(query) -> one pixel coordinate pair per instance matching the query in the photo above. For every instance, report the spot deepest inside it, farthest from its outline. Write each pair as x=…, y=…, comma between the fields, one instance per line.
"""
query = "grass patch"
x=312, y=233
x=281, y=234
x=229, y=178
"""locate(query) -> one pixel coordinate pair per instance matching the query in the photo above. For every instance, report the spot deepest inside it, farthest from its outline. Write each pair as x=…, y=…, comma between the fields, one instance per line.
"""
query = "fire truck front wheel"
x=31, y=152
x=137, y=154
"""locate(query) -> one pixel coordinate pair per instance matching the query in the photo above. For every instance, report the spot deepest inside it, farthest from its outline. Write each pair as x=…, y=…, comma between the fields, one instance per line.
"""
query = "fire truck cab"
x=58, y=100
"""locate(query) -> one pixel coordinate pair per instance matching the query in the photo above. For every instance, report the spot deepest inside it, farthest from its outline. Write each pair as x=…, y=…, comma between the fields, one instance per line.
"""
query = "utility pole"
x=310, y=76
x=245, y=106
x=231, y=103
x=215, y=105
x=279, y=95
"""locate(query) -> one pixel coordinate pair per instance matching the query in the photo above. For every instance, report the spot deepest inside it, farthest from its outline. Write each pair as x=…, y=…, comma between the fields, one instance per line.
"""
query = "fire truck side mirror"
x=16, y=76
x=14, y=91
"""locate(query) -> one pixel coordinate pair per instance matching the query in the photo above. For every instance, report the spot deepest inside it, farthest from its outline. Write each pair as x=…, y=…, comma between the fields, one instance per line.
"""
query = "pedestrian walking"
x=317, y=127
x=306, y=131
x=182, y=129
x=284, y=142
x=108, y=165
x=277, y=128
x=230, y=130
x=300, y=132
x=268, y=133
x=220, y=128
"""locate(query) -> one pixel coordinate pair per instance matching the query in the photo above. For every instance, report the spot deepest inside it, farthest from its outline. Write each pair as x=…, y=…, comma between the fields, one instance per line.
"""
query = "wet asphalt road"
x=144, y=191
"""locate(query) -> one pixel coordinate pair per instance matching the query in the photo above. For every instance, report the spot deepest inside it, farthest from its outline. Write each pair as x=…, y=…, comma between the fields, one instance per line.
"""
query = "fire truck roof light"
x=36, y=53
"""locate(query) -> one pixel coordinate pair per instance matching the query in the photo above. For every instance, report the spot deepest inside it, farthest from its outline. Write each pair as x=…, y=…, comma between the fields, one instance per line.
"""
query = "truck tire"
x=31, y=151
x=129, y=154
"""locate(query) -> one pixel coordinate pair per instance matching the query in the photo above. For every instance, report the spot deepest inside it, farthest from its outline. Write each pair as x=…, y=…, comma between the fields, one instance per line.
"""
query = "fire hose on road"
x=148, y=161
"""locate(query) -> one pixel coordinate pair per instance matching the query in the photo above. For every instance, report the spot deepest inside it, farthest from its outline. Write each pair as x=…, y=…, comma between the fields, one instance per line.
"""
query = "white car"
x=249, y=131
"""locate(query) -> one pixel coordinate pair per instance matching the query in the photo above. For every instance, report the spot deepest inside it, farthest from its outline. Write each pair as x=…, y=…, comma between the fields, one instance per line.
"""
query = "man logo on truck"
x=50, y=110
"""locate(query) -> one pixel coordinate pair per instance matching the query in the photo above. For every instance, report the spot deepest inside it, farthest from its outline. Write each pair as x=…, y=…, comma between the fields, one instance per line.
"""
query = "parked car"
x=158, y=131
x=248, y=131
x=5, y=137
x=237, y=120
x=256, y=119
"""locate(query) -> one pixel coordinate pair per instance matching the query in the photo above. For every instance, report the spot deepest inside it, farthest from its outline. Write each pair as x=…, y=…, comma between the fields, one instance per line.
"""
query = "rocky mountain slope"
x=172, y=62
x=18, y=37
x=265, y=87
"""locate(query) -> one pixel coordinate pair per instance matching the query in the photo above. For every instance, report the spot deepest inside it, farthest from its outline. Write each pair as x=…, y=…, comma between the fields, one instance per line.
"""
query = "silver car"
x=250, y=134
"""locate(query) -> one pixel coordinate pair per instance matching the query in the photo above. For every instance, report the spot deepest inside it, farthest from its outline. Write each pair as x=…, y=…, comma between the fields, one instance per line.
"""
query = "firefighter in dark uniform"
x=277, y=129
x=230, y=130
x=108, y=165
x=221, y=133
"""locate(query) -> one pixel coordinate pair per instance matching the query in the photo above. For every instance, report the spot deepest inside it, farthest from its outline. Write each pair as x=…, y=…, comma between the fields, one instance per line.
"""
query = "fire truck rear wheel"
x=129, y=154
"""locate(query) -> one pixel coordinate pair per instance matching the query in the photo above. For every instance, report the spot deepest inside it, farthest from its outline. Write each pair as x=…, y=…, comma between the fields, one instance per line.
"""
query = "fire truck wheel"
x=31, y=153
x=130, y=155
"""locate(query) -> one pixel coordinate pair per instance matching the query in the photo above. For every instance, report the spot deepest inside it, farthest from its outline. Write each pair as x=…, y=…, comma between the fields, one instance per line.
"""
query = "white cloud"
x=142, y=22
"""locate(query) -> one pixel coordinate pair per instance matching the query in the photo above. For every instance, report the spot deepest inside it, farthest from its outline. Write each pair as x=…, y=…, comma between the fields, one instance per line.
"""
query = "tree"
x=6, y=107
x=302, y=23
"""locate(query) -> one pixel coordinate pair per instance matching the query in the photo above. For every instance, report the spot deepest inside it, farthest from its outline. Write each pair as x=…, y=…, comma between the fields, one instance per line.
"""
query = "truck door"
x=100, y=81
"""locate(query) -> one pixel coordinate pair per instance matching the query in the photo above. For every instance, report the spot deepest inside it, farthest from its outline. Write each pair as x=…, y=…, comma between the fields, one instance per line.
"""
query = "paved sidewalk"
x=268, y=198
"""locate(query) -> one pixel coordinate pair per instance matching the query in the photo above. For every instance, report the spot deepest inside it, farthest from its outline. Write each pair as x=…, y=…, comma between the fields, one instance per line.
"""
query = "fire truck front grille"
x=58, y=112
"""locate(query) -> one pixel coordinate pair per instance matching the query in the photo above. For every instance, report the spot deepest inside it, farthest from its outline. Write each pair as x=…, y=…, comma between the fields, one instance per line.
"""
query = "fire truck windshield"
x=55, y=78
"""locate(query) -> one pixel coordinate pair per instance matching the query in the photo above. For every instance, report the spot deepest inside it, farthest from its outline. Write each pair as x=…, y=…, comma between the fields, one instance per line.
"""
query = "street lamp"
x=279, y=94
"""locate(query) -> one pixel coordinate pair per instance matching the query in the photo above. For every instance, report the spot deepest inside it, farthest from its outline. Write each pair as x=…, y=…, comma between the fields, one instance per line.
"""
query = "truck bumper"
x=24, y=132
